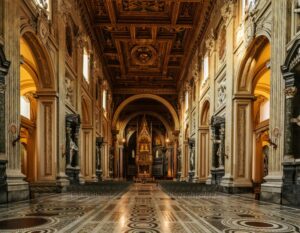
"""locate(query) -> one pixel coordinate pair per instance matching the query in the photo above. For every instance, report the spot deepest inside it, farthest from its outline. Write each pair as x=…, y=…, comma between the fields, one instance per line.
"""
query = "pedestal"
x=99, y=174
x=291, y=183
x=216, y=175
x=191, y=175
x=178, y=176
x=73, y=175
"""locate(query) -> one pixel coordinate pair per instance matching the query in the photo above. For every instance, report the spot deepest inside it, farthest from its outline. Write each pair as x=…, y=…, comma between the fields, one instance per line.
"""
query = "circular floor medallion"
x=258, y=225
x=17, y=223
x=142, y=225
x=142, y=231
x=142, y=219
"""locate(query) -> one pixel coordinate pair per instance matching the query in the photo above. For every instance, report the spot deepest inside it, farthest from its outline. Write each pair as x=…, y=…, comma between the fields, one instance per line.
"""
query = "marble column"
x=99, y=171
x=61, y=178
x=17, y=188
x=229, y=19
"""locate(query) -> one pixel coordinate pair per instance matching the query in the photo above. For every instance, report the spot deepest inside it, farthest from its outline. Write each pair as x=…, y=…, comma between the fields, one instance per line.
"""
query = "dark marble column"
x=4, y=66
x=191, y=142
x=178, y=156
x=99, y=143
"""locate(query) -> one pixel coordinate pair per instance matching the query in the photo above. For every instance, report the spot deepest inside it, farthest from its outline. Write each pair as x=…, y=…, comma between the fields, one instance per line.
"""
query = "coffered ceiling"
x=144, y=43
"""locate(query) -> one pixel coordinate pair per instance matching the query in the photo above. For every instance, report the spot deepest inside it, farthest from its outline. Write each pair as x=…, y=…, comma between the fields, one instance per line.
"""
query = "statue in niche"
x=73, y=148
x=266, y=160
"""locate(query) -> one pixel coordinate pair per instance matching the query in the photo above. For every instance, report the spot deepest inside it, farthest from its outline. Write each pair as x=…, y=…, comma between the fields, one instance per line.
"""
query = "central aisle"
x=145, y=208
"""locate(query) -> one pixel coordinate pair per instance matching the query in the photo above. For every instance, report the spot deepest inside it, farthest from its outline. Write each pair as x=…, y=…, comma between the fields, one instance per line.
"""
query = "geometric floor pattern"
x=145, y=208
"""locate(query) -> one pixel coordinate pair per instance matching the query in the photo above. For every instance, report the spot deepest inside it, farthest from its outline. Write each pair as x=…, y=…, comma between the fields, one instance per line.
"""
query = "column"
x=121, y=154
x=228, y=16
x=61, y=177
x=17, y=188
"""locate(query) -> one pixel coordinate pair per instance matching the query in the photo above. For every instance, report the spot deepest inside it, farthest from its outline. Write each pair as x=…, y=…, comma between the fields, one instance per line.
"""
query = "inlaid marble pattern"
x=145, y=208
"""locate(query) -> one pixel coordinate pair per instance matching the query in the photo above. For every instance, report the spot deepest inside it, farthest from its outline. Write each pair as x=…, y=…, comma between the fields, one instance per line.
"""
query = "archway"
x=37, y=108
x=146, y=96
x=160, y=155
x=204, y=142
x=251, y=104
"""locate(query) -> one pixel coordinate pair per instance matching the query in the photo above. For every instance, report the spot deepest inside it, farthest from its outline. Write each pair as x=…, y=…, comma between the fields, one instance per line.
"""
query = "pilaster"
x=271, y=190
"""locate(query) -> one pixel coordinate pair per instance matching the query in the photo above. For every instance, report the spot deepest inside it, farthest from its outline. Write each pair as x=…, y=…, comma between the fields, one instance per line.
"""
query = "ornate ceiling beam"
x=156, y=91
x=111, y=11
x=143, y=22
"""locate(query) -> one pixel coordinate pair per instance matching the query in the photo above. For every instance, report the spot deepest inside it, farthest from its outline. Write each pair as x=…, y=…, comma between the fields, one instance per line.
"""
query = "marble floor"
x=145, y=208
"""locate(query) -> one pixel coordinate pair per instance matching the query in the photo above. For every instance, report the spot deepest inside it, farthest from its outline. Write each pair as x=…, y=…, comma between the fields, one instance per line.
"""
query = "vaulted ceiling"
x=146, y=44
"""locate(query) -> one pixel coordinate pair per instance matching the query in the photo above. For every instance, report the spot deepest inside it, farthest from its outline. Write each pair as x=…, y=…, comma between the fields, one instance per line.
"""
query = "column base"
x=99, y=175
x=81, y=179
x=217, y=175
x=178, y=176
x=208, y=180
x=73, y=174
x=271, y=189
x=17, y=188
x=191, y=176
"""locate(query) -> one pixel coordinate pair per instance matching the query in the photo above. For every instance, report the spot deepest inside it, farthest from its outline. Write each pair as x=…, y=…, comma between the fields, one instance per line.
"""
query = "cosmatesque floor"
x=145, y=208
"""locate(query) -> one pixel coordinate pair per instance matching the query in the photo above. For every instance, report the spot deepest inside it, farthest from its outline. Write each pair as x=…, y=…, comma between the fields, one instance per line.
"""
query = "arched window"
x=86, y=65
x=25, y=106
x=104, y=99
x=186, y=100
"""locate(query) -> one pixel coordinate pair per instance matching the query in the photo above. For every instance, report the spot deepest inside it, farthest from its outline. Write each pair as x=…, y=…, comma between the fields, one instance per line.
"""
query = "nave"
x=137, y=208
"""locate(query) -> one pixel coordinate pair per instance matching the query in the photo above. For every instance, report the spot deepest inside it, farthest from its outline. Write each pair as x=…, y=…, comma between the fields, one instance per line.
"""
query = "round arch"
x=145, y=96
x=247, y=71
x=154, y=114
x=45, y=72
x=204, y=116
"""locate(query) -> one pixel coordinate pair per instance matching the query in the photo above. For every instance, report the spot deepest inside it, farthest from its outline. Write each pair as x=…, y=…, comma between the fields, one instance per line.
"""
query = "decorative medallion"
x=143, y=55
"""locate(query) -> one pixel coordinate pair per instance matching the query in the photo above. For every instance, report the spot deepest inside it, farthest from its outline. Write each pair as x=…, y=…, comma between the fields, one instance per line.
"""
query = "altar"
x=144, y=151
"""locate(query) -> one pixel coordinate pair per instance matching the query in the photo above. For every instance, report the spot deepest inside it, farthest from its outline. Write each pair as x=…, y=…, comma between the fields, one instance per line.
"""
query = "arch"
x=204, y=120
x=154, y=114
x=146, y=96
x=45, y=72
x=247, y=66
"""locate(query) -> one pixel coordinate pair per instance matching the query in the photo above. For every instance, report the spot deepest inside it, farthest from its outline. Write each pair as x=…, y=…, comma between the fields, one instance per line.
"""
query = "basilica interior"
x=149, y=116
